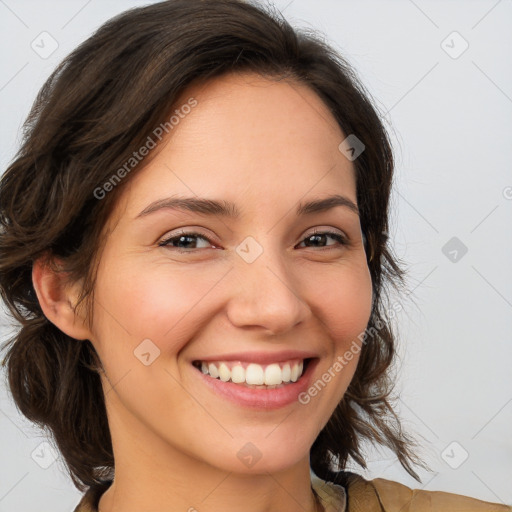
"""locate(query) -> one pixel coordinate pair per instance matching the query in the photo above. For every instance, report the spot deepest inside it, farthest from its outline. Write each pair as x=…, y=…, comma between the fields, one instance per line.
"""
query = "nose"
x=268, y=295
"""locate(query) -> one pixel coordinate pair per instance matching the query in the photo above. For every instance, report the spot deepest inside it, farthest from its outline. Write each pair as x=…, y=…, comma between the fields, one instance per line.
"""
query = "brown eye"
x=185, y=239
x=321, y=236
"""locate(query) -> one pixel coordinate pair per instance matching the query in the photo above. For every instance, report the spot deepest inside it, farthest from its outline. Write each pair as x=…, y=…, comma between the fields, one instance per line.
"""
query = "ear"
x=57, y=298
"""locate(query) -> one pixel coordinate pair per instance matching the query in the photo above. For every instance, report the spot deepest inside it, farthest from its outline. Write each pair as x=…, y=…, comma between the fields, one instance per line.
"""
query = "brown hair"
x=99, y=105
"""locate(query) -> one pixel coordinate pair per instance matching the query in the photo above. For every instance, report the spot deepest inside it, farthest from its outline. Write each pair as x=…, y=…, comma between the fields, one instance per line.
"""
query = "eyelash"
x=341, y=239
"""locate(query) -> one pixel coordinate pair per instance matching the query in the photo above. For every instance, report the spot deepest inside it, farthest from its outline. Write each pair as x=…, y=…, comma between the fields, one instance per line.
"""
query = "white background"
x=451, y=124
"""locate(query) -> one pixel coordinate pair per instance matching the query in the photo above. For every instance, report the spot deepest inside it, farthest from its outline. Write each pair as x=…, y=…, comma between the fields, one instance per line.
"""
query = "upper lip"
x=260, y=357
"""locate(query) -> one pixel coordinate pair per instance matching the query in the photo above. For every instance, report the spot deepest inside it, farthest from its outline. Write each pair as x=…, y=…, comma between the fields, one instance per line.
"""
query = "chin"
x=267, y=453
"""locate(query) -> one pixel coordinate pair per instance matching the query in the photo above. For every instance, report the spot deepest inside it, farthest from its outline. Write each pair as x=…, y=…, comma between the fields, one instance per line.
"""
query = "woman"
x=194, y=241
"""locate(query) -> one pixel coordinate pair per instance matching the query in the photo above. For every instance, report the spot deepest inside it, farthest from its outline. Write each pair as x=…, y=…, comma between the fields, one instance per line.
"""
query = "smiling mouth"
x=253, y=375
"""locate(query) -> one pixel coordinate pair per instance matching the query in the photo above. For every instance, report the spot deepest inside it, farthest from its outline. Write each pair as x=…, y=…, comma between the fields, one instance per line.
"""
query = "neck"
x=209, y=490
x=155, y=476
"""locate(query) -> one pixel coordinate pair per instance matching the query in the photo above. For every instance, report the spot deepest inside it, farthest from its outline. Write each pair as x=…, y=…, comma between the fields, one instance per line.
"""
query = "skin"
x=266, y=146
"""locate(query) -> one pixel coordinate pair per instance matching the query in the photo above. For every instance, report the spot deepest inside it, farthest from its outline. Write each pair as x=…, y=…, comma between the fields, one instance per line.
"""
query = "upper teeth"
x=253, y=373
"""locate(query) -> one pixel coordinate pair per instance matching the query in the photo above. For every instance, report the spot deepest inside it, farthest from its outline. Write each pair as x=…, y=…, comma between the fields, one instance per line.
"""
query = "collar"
x=332, y=496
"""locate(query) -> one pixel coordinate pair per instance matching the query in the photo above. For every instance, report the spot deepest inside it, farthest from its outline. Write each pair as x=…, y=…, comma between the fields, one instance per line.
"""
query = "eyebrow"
x=230, y=210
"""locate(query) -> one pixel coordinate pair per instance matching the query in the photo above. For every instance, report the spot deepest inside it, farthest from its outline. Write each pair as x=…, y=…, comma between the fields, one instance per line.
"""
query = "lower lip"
x=261, y=398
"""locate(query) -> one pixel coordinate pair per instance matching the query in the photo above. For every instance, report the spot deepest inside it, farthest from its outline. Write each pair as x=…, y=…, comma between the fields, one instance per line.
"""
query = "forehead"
x=247, y=137
x=257, y=113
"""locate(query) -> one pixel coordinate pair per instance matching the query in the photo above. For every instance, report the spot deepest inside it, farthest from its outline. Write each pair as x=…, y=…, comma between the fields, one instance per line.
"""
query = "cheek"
x=343, y=304
x=163, y=303
x=155, y=304
x=343, y=299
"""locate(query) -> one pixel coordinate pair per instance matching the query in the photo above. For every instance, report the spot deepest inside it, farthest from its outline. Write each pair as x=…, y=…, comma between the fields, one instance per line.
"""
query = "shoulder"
x=389, y=496
x=357, y=494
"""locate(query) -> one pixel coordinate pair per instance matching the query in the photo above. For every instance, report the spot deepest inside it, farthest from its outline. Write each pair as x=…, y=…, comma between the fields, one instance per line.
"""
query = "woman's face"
x=250, y=296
